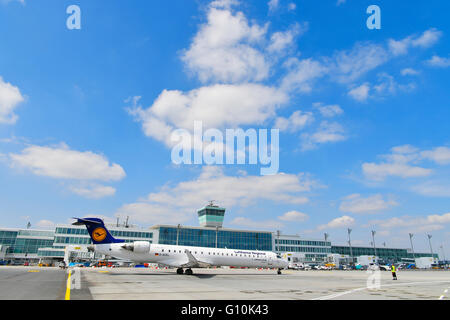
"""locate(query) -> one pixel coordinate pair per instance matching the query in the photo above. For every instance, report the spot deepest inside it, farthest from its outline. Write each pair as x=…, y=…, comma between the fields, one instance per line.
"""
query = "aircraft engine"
x=141, y=246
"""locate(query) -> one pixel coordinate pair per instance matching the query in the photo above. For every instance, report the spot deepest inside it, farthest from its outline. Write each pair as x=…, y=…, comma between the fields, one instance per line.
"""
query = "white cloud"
x=387, y=85
x=294, y=216
x=326, y=133
x=339, y=2
x=60, y=162
x=295, y=122
x=329, y=111
x=421, y=223
x=402, y=163
x=372, y=204
x=216, y=106
x=279, y=41
x=379, y=172
x=10, y=98
x=341, y=222
x=302, y=74
x=433, y=189
x=409, y=72
x=226, y=49
x=45, y=224
x=440, y=155
x=93, y=192
x=426, y=40
x=439, y=62
x=349, y=65
x=273, y=5
x=179, y=202
x=360, y=93
x=226, y=4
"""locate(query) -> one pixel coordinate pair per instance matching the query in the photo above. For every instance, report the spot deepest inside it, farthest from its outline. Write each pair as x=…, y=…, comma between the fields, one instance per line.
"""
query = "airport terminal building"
x=386, y=254
x=71, y=243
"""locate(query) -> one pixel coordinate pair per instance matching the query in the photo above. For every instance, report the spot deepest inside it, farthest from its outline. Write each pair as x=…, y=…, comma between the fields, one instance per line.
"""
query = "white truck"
x=367, y=260
x=425, y=262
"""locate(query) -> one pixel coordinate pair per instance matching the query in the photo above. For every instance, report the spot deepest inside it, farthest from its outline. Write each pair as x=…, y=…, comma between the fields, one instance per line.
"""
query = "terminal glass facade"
x=8, y=239
x=382, y=253
x=80, y=235
x=30, y=246
x=207, y=238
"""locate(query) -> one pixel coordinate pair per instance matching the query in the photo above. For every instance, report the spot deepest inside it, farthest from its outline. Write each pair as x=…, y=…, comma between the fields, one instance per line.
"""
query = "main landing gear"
x=188, y=271
x=279, y=271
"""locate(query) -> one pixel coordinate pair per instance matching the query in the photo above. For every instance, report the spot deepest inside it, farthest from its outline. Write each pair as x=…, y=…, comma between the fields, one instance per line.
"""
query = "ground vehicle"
x=324, y=267
x=296, y=266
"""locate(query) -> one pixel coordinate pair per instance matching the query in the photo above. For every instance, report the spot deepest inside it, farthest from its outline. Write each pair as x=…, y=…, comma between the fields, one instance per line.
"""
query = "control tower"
x=211, y=216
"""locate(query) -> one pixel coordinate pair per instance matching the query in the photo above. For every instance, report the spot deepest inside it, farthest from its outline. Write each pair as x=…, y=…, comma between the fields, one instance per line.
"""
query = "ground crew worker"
x=394, y=273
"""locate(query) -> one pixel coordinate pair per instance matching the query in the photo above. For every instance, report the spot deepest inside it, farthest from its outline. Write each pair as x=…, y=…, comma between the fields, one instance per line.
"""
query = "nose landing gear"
x=279, y=271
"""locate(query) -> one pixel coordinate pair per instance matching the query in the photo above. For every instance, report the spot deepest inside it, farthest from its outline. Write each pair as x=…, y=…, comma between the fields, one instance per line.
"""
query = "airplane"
x=180, y=257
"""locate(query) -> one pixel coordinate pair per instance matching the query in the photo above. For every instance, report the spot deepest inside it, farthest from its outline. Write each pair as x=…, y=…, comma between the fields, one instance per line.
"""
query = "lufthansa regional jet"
x=181, y=257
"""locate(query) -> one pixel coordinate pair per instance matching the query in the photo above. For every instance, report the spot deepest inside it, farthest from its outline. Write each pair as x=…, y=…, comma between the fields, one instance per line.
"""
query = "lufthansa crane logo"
x=99, y=234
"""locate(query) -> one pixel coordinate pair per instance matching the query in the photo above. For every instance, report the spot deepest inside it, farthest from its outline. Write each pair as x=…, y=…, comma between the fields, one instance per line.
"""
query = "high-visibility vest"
x=393, y=268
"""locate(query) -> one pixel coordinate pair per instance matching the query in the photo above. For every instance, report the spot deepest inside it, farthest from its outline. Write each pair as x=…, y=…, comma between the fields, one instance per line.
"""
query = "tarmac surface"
x=219, y=284
x=27, y=283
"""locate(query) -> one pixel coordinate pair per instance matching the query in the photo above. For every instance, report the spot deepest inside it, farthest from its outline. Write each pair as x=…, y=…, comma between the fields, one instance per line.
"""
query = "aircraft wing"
x=193, y=262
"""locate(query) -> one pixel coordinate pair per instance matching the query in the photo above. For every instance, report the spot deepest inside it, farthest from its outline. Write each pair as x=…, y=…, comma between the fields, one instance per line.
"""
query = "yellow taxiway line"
x=68, y=286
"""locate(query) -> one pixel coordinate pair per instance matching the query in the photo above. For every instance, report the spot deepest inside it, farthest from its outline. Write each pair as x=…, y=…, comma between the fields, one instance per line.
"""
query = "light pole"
x=443, y=252
x=429, y=240
x=412, y=247
x=373, y=239
x=350, y=244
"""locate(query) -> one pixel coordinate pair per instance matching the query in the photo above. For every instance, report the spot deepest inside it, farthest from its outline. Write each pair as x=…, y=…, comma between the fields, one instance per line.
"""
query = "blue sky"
x=86, y=115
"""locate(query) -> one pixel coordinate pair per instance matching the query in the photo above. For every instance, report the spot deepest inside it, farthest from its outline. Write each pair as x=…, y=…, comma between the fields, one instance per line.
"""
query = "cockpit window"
x=278, y=256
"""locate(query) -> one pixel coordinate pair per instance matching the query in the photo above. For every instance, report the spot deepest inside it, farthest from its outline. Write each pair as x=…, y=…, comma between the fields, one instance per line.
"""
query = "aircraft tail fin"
x=97, y=230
